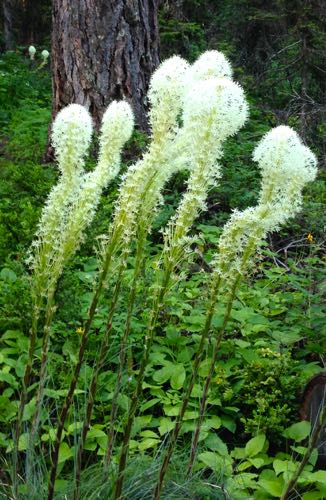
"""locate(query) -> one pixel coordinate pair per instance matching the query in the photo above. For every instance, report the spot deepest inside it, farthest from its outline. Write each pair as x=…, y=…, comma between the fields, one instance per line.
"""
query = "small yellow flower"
x=310, y=238
x=80, y=330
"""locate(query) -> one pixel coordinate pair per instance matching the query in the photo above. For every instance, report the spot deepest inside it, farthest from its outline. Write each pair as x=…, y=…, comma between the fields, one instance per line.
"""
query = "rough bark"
x=8, y=7
x=104, y=50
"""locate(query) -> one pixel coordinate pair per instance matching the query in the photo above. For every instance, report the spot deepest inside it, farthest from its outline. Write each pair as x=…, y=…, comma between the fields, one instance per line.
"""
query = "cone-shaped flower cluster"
x=144, y=180
x=214, y=109
x=31, y=52
x=116, y=130
x=286, y=166
x=45, y=55
x=165, y=95
x=211, y=64
x=71, y=123
x=72, y=203
x=71, y=136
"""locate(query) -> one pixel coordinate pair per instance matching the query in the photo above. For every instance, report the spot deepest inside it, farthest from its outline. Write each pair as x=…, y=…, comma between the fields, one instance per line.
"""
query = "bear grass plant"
x=194, y=109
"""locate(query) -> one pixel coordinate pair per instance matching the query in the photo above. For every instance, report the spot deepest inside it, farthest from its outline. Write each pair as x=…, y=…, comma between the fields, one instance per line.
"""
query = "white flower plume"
x=211, y=64
x=165, y=94
x=286, y=166
x=71, y=136
x=214, y=109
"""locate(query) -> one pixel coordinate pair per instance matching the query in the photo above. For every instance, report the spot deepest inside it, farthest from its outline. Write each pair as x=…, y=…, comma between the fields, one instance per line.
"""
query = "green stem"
x=93, y=386
x=123, y=349
x=45, y=349
x=250, y=248
x=73, y=382
x=312, y=444
x=202, y=409
x=135, y=396
x=25, y=386
x=42, y=378
x=188, y=391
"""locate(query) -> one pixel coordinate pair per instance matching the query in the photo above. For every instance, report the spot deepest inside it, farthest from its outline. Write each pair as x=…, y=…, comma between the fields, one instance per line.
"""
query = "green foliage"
x=273, y=344
x=23, y=190
x=21, y=86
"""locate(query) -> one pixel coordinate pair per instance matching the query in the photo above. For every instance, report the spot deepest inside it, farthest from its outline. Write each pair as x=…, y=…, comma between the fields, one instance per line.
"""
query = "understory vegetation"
x=252, y=440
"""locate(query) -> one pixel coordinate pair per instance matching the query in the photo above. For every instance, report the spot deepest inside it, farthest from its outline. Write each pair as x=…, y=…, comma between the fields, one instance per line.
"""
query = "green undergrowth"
x=251, y=439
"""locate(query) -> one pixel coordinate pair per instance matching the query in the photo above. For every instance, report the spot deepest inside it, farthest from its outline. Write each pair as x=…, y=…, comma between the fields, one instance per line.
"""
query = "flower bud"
x=45, y=54
x=165, y=94
x=281, y=153
x=117, y=125
x=71, y=137
x=31, y=51
x=211, y=64
x=216, y=106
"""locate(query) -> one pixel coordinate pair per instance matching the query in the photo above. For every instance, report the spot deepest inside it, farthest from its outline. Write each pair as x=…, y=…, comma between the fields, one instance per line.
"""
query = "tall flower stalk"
x=213, y=110
x=286, y=166
x=117, y=126
x=82, y=208
x=143, y=184
x=74, y=121
x=165, y=109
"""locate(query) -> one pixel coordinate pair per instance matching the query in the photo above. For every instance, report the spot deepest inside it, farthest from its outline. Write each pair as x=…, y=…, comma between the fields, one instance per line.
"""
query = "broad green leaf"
x=287, y=338
x=8, y=378
x=273, y=487
x=189, y=426
x=255, y=445
x=215, y=443
x=299, y=431
x=213, y=422
x=149, y=434
x=140, y=423
x=171, y=411
x=123, y=401
x=95, y=433
x=256, y=462
x=164, y=374
x=65, y=453
x=244, y=465
x=178, y=377
x=185, y=355
x=280, y=466
x=166, y=425
x=204, y=368
x=75, y=426
x=245, y=480
x=191, y=415
x=51, y=393
x=210, y=459
x=23, y=441
x=149, y=404
x=102, y=442
x=320, y=476
x=222, y=465
x=90, y=445
x=148, y=443
x=29, y=409
x=238, y=453
x=8, y=409
x=61, y=484
x=313, y=495
x=229, y=423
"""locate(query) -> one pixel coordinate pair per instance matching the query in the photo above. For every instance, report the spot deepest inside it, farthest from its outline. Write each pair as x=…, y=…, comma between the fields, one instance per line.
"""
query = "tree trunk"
x=7, y=24
x=104, y=50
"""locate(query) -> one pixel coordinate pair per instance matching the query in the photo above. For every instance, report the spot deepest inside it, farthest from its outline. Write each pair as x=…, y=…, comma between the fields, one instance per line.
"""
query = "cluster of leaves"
x=272, y=348
x=273, y=344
